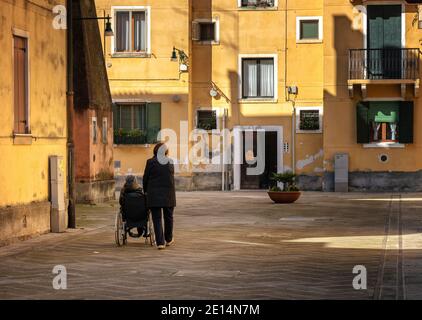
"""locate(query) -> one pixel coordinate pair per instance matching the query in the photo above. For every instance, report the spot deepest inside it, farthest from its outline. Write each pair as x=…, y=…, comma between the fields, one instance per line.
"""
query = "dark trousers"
x=158, y=226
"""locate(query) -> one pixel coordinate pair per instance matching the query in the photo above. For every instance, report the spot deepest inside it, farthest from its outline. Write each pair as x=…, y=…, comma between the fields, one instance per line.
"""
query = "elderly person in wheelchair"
x=133, y=213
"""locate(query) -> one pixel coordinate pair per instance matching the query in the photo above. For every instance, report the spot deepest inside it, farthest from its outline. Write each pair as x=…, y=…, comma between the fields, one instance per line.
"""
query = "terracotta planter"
x=284, y=197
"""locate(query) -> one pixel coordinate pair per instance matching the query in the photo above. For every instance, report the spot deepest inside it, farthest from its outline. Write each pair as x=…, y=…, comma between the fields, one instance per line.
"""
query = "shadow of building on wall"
x=92, y=125
x=341, y=102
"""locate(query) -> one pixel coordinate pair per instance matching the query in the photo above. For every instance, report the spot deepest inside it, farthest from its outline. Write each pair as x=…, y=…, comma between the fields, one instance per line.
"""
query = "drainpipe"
x=223, y=164
x=287, y=99
x=70, y=107
x=293, y=136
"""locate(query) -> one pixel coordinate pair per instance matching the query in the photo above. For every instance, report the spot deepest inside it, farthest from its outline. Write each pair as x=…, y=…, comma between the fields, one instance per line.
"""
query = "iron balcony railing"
x=387, y=63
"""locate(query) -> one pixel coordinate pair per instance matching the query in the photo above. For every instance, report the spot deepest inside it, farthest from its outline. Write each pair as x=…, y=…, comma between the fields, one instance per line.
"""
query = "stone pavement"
x=233, y=245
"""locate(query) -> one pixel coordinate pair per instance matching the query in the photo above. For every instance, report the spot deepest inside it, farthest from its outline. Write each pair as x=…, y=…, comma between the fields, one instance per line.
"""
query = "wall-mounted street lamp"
x=108, y=31
x=183, y=59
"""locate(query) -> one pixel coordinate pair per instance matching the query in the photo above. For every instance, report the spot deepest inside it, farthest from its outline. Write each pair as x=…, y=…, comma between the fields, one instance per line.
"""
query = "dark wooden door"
x=261, y=181
x=249, y=181
x=20, y=85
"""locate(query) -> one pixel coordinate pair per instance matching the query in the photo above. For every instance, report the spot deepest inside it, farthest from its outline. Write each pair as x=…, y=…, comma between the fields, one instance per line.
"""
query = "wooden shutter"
x=116, y=117
x=196, y=31
x=153, y=121
x=362, y=122
x=406, y=122
x=20, y=85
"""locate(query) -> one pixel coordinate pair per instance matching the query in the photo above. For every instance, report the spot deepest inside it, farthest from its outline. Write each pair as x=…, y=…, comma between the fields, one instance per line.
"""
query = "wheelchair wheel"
x=120, y=232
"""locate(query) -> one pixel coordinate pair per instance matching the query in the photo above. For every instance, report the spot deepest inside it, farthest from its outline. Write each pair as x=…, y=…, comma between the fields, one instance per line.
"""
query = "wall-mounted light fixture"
x=183, y=59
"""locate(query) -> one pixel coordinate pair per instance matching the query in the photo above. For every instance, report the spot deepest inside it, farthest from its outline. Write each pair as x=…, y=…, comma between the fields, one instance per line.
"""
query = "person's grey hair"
x=130, y=179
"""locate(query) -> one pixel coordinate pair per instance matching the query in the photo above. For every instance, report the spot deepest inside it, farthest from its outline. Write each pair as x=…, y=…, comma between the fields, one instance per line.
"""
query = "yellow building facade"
x=314, y=78
x=33, y=122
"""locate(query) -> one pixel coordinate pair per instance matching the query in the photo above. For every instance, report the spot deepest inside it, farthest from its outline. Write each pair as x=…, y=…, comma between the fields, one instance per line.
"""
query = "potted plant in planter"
x=290, y=192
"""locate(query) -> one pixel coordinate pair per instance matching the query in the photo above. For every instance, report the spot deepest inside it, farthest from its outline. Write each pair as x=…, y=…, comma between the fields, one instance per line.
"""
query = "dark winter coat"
x=158, y=182
x=133, y=203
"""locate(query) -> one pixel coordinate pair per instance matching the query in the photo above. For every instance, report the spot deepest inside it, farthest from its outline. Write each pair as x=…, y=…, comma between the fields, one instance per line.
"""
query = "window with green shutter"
x=384, y=121
x=362, y=123
x=153, y=121
x=136, y=123
x=406, y=122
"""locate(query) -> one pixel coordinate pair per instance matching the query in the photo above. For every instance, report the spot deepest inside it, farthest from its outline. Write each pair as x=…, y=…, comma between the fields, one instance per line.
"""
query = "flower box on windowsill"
x=129, y=140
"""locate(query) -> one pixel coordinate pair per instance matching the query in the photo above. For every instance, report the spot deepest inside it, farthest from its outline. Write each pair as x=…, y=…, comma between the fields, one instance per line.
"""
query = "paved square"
x=233, y=245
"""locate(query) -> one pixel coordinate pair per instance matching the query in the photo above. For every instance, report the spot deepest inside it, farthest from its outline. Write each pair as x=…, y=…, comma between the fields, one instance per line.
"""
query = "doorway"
x=246, y=151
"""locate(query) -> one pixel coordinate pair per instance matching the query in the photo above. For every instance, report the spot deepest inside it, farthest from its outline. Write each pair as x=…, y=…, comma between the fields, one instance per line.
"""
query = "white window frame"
x=310, y=108
x=23, y=34
x=240, y=77
x=217, y=113
x=320, y=29
x=216, y=30
x=239, y=5
x=147, y=10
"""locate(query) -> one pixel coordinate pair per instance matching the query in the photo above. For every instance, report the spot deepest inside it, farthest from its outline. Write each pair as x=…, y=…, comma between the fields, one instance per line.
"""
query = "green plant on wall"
x=135, y=136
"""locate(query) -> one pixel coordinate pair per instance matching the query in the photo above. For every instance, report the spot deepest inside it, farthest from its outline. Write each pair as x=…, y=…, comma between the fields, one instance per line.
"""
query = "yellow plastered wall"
x=340, y=110
x=262, y=32
x=154, y=78
x=24, y=171
x=252, y=32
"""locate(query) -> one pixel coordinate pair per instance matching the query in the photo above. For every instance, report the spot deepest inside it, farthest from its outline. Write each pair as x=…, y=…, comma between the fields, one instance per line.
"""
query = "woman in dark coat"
x=158, y=182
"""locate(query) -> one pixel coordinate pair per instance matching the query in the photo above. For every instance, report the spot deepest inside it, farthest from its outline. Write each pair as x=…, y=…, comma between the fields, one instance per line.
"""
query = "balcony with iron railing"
x=384, y=66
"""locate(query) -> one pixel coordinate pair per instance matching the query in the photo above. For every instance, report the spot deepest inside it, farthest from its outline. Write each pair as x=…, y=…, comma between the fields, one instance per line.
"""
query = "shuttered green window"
x=406, y=122
x=136, y=123
x=362, y=123
x=153, y=121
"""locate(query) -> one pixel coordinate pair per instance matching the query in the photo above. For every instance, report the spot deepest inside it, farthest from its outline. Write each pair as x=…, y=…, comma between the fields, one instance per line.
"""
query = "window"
x=257, y=3
x=384, y=122
x=258, y=78
x=131, y=30
x=308, y=29
x=94, y=130
x=105, y=129
x=136, y=123
x=206, y=119
x=21, y=105
x=309, y=119
x=205, y=31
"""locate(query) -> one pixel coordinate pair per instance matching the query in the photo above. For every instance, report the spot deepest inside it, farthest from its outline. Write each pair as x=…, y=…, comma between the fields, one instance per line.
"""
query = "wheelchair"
x=133, y=214
x=123, y=227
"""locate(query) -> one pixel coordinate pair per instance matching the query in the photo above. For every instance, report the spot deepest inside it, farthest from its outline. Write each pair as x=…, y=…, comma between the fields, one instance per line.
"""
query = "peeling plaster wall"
x=24, y=171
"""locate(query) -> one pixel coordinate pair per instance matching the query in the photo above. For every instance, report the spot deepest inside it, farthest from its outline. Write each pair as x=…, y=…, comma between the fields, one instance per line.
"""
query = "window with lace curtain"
x=131, y=31
x=258, y=78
